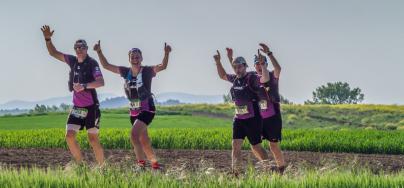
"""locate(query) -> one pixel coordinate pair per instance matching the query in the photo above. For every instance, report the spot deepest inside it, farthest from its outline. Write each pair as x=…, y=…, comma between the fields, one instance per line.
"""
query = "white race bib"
x=241, y=110
x=263, y=105
x=79, y=112
x=134, y=105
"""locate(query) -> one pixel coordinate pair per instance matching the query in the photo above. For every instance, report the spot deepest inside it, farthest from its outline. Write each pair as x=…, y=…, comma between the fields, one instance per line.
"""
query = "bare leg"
x=236, y=154
x=259, y=152
x=147, y=147
x=142, y=155
x=73, y=145
x=97, y=148
x=276, y=151
x=137, y=130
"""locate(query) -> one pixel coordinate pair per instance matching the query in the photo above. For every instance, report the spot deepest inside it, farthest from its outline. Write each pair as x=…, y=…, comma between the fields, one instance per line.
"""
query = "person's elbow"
x=100, y=82
x=160, y=67
x=163, y=67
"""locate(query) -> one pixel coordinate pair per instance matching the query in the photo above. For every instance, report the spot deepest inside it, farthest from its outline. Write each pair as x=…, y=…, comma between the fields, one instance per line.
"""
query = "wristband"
x=269, y=53
x=47, y=40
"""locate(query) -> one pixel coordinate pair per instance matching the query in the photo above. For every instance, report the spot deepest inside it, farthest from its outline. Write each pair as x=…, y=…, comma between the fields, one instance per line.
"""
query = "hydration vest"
x=242, y=91
x=272, y=88
x=135, y=88
x=82, y=73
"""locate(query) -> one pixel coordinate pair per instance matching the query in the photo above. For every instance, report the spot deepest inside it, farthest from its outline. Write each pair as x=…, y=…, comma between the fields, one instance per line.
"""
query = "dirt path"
x=194, y=159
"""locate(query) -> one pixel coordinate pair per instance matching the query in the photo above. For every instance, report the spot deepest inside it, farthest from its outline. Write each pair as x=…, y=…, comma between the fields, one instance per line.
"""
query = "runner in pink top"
x=270, y=103
x=84, y=77
x=247, y=120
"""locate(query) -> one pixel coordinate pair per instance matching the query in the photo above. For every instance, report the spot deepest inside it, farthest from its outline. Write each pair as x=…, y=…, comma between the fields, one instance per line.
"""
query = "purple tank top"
x=84, y=98
x=244, y=107
x=265, y=103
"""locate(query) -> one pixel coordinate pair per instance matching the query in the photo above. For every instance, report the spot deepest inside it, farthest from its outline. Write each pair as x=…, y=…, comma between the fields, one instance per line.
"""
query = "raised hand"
x=229, y=53
x=217, y=56
x=264, y=48
x=167, y=48
x=97, y=46
x=261, y=59
x=47, y=33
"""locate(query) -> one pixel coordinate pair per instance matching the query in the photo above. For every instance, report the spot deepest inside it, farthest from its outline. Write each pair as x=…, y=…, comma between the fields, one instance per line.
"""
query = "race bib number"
x=241, y=110
x=134, y=105
x=263, y=105
x=79, y=112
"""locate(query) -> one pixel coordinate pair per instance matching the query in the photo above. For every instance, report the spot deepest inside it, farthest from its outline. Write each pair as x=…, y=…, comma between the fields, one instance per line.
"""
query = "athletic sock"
x=155, y=165
x=141, y=163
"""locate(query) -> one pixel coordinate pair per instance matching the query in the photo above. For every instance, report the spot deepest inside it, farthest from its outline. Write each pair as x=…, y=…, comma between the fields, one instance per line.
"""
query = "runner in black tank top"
x=247, y=120
x=271, y=117
x=84, y=78
x=137, y=88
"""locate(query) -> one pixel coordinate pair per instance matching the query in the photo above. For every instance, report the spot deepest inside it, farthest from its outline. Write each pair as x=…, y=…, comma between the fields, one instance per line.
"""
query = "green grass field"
x=110, y=120
x=352, y=141
x=320, y=128
x=125, y=177
x=175, y=128
x=332, y=117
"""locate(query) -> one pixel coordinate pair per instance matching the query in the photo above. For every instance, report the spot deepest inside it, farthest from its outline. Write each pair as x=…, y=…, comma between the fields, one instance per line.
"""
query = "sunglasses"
x=80, y=47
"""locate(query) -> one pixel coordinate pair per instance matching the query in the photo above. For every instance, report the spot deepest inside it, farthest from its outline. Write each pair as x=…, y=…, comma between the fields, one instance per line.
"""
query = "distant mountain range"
x=189, y=98
x=166, y=99
x=49, y=102
x=113, y=101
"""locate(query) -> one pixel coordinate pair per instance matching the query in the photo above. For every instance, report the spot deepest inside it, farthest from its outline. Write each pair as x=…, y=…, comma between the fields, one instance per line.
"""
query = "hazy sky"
x=359, y=42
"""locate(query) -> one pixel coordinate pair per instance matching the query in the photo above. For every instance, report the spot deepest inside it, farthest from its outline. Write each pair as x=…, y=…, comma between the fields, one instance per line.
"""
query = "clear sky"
x=359, y=42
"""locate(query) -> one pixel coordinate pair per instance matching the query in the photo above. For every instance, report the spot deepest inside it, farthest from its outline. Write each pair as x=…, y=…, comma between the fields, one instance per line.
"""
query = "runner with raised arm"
x=84, y=77
x=272, y=125
x=138, y=80
x=247, y=120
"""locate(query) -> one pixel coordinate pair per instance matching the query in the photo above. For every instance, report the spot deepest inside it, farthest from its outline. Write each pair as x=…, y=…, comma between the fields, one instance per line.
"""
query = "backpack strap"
x=248, y=83
x=129, y=75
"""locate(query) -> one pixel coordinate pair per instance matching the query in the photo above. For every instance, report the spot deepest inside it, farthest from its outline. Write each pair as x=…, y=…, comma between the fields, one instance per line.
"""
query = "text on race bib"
x=79, y=112
x=134, y=105
x=241, y=110
x=263, y=105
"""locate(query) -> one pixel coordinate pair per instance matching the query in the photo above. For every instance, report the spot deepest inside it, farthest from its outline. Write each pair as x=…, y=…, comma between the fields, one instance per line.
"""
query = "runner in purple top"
x=247, y=120
x=138, y=79
x=84, y=77
x=270, y=110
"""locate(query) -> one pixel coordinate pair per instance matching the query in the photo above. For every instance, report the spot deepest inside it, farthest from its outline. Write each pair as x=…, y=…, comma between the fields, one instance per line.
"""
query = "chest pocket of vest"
x=137, y=87
x=242, y=93
x=82, y=73
x=131, y=90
